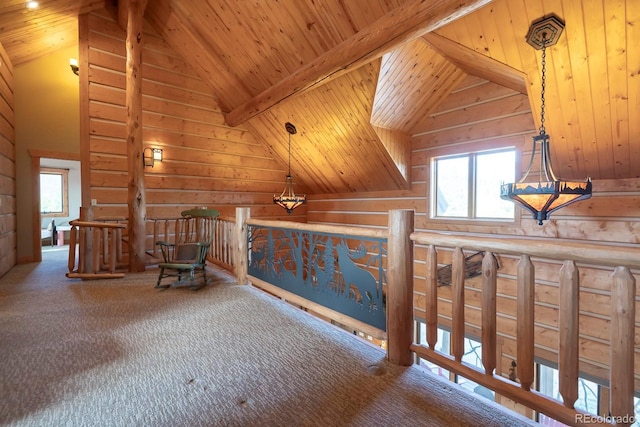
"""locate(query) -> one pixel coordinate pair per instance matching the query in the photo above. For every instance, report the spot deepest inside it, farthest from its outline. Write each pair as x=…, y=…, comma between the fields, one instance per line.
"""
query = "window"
x=442, y=345
x=549, y=385
x=590, y=395
x=472, y=356
x=468, y=186
x=54, y=199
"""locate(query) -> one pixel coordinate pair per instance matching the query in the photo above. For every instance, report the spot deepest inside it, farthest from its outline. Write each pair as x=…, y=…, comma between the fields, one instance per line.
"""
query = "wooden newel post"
x=242, y=254
x=136, y=199
x=400, y=287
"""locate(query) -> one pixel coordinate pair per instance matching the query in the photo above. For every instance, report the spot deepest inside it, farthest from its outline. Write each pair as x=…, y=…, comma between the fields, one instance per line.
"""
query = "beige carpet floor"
x=121, y=353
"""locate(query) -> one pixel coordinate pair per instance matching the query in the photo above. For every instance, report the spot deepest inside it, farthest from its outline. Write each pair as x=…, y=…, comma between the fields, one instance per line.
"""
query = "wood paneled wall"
x=8, y=228
x=480, y=115
x=205, y=162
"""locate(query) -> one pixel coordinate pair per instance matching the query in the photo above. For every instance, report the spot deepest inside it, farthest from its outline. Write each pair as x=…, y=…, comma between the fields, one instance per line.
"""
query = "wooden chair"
x=188, y=256
x=184, y=259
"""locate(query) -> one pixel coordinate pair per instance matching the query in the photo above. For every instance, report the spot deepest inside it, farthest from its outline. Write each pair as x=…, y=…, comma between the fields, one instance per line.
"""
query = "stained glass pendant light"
x=288, y=198
x=549, y=193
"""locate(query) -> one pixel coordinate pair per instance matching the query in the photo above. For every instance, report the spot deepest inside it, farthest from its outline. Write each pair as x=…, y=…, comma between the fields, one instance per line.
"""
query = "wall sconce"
x=73, y=63
x=152, y=155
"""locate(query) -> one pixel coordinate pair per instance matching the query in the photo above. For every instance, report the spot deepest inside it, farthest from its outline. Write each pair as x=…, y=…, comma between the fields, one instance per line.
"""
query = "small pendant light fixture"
x=549, y=193
x=288, y=198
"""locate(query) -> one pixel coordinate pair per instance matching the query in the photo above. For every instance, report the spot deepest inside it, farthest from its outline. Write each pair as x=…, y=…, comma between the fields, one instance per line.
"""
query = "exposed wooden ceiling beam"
x=402, y=24
x=477, y=64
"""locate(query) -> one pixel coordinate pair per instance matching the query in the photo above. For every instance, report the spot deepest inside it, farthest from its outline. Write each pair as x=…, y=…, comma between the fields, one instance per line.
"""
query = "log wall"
x=480, y=115
x=8, y=227
x=205, y=162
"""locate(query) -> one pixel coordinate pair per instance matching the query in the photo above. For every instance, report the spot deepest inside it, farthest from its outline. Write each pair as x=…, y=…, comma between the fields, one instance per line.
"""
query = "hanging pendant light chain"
x=544, y=83
x=289, y=154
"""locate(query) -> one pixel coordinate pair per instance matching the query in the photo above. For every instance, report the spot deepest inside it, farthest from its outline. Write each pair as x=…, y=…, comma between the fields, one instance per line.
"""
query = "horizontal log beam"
x=609, y=255
x=402, y=24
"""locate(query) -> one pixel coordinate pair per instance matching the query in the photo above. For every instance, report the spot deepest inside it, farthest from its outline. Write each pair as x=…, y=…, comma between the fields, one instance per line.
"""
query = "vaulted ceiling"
x=358, y=78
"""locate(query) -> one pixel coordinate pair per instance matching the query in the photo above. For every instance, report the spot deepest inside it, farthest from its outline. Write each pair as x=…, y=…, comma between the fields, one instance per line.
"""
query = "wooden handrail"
x=96, y=224
x=623, y=294
x=600, y=254
x=320, y=228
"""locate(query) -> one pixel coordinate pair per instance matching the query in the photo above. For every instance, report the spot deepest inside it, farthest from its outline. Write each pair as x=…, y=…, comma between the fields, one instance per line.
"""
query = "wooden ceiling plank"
x=578, y=58
x=213, y=71
x=600, y=95
x=390, y=92
x=615, y=34
x=473, y=34
x=408, y=89
x=419, y=82
x=272, y=58
x=511, y=36
x=561, y=118
x=433, y=96
x=563, y=124
x=399, y=26
x=207, y=28
x=491, y=25
x=633, y=76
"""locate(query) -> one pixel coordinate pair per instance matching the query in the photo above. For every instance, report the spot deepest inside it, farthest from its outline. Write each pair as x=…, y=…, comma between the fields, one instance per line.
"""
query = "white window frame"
x=64, y=173
x=471, y=185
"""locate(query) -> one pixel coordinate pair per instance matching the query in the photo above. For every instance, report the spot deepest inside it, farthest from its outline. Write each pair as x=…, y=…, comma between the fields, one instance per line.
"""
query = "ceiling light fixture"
x=549, y=193
x=32, y=5
x=288, y=198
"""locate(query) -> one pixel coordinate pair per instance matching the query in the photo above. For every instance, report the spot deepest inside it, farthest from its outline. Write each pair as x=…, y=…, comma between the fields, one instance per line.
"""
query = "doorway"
x=60, y=199
x=67, y=165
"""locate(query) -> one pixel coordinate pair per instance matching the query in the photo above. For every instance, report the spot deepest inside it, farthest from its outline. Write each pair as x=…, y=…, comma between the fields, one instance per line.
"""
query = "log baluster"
x=568, y=336
x=105, y=246
x=432, y=297
x=97, y=249
x=118, y=244
x=457, y=296
x=73, y=236
x=81, y=253
x=113, y=254
x=489, y=289
x=525, y=325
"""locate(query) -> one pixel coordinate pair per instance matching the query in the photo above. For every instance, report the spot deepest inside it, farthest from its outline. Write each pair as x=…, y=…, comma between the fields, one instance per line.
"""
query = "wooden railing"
x=222, y=252
x=99, y=250
x=623, y=296
x=400, y=298
x=399, y=276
